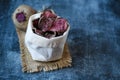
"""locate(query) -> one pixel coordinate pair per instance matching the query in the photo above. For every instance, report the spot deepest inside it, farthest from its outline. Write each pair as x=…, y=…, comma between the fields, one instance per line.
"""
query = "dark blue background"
x=94, y=40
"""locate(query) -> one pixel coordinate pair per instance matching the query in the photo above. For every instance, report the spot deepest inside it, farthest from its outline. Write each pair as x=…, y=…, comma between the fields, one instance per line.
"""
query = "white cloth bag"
x=41, y=48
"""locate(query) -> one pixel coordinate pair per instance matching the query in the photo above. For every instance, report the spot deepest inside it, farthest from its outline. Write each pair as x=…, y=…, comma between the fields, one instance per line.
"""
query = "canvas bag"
x=41, y=48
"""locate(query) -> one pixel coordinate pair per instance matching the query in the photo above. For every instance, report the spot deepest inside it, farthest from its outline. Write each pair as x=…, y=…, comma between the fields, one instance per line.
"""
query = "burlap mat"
x=29, y=65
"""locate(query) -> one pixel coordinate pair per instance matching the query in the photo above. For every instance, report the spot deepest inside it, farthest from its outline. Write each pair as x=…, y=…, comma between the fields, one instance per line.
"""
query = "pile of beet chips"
x=49, y=25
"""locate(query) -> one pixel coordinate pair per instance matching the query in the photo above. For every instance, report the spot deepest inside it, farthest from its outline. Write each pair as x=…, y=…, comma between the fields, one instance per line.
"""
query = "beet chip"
x=48, y=14
x=60, y=25
x=49, y=25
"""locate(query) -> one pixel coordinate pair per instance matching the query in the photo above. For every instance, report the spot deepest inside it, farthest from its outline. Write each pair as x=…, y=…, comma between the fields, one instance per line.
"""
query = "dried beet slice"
x=60, y=25
x=46, y=20
x=48, y=25
x=35, y=23
x=45, y=24
x=48, y=14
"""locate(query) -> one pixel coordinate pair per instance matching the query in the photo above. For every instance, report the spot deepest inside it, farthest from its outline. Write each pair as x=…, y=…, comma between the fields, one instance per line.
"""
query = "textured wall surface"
x=94, y=40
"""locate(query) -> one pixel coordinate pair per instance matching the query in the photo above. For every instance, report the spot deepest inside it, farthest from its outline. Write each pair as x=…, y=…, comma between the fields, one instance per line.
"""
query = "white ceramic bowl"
x=41, y=48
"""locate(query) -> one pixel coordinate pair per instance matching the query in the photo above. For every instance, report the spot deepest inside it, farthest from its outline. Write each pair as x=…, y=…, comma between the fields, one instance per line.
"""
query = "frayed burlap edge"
x=30, y=66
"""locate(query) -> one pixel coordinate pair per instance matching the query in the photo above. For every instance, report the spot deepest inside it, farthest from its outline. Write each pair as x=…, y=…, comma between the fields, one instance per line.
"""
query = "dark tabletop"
x=94, y=40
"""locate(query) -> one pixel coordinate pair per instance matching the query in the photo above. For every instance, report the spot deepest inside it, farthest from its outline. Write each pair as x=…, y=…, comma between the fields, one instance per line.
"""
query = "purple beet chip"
x=48, y=14
x=35, y=23
x=48, y=25
x=60, y=25
x=45, y=24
